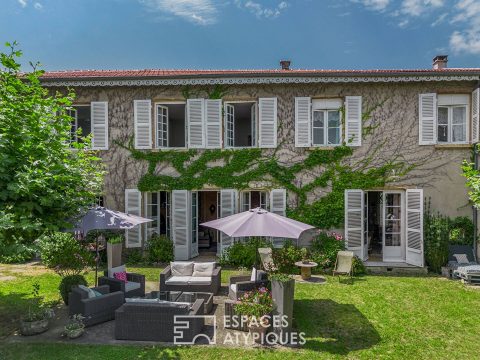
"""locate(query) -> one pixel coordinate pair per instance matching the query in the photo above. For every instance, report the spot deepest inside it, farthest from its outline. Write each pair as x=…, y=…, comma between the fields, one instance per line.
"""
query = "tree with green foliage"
x=45, y=179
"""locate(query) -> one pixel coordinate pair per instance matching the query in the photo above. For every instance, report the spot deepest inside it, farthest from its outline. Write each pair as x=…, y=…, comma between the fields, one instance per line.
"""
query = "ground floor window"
x=157, y=208
x=253, y=199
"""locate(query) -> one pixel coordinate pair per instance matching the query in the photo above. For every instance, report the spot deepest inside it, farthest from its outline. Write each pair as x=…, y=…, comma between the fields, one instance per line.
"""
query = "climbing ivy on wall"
x=237, y=169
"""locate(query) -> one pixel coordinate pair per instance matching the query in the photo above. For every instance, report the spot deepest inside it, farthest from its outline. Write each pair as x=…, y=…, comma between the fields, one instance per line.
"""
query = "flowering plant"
x=256, y=303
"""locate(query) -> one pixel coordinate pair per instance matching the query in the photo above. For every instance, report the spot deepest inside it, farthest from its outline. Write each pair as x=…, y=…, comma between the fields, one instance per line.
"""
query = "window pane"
x=459, y=115
x=442, y=133
x=333, y=119
x=392, y=239
x=443, y=115
x=393, y=199
x=318, y=137
x=458, y=133
x=318, y=119
x=334, y=136
x=83, y=120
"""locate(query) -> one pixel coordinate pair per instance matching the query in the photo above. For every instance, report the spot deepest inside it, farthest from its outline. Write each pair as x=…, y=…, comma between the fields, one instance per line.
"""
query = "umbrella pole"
x=96, y=261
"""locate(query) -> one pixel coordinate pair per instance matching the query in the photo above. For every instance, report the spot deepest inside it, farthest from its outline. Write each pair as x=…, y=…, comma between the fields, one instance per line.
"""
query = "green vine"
x=237, y=169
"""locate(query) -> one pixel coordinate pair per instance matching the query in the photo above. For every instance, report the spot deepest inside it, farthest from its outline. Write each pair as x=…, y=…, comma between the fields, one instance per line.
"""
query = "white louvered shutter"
x=475, y=115
x=267, y=121
x=414, y=225
x=278, y=205
x=143, y=123
x=133, y=205
x=213, y=123
x=196, y=116
x=181, y=234
x=354, y=217
x=303, y=123
x=228, y=206
x=99, y=119
x=427, y=113
x=353, y=120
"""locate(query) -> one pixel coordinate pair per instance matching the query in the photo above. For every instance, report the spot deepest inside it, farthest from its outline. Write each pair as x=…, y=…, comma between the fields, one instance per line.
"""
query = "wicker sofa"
x=154, y=321
x=239, y=284
x=191, y=283
x=96, y=309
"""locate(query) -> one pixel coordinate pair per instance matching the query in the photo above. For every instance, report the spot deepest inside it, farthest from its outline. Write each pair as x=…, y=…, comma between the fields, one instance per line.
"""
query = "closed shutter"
x=475, y=115
x=427, y=113
x=181, y=233
x=228, y=206
x=143, y=124
x=267, y=108
x=354, y=217
x=278, y=205
x=303, y=123
x=213, y=123
x=353, y=120
x=414, y=227
x=99, y=116
x=133, y=203
x=195, y=114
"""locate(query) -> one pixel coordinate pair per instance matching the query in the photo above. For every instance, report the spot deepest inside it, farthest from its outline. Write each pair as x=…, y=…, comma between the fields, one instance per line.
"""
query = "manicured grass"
x=375, y=317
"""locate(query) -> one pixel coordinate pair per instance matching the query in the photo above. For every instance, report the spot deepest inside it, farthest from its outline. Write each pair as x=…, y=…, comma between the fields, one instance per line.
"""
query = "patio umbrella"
x=259, y=222
x=100, y=218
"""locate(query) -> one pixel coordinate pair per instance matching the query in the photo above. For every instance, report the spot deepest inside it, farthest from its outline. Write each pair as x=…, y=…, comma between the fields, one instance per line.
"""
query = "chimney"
x=440, y=62
x=285, y=64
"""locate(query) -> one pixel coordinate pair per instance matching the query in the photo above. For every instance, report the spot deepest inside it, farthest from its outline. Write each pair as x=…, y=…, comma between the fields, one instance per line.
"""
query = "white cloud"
x=22, y=3
x=403, y=23
x=201, y=12
x=377, y=5
x=439, y=20
x=38, y=6
x=419, y=7
x=261, y=11
x=466, y=40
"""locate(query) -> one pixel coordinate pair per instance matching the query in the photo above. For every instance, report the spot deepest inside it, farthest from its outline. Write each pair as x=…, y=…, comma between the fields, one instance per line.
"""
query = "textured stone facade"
x=395, y=121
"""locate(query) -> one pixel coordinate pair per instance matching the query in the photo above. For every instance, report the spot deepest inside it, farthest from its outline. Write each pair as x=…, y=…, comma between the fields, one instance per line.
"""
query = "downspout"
x=475, y=211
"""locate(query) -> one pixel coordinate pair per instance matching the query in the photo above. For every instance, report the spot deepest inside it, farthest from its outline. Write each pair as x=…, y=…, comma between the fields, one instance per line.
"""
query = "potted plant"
x=283, y=292
x=35, y=320
x=75, y=328
x=304, y=255
x=114, y=251
x=257, y=305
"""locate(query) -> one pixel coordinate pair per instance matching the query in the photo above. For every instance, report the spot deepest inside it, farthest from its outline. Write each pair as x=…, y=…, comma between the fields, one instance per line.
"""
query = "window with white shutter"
x=213, y=123
x=267, y=122
x=240, y=124
x=475, y=115
x=181, y=224
x=353, y=120
x=99, y=116
x=302, y=122
x=142, y=110
x=228, y=206
x=170, y=125
x=326, y=122
x=278, y=205
x=428, y=119
x=414, y=225
x=133, y=205
x=354, y=222
x=195, y=117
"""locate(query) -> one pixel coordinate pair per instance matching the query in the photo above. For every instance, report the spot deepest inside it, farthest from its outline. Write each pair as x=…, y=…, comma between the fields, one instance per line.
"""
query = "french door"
x=393, y=226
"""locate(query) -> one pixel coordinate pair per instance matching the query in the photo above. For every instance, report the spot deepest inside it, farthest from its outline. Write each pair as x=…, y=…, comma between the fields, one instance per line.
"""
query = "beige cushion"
x=253, y=277
x=117, y=269
x=233, y=287
x=181, y=268
x=203, y=280
x=203, y=269
x=131, y=285
x=178, y=280
x=461, y=258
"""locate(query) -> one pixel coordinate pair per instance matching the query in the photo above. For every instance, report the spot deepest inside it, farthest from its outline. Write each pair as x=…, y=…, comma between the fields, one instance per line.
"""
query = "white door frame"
x=194, y=215
x=393, y=253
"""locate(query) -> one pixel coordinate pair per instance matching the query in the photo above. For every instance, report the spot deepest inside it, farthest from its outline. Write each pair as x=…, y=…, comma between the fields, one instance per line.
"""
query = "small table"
x=306, y=268
x=188, y=297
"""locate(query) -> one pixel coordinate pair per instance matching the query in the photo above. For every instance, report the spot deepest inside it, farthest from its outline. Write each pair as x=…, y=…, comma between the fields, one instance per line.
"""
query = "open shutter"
x=133, y=204
x=353, y=120
x=99, y=116
x=475, y=115
x=278, y=205
x=303, y=124
x=414, y=255
x=181, y=234
x=195, y=114
x=143, y=123
x=228, y=206
x=427, y=113
x=354, y=221
x=213, y=115
x=267, y=108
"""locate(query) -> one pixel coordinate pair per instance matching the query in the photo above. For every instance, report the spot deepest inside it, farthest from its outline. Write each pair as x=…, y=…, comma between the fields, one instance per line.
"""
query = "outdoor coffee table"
x=306, y=268
x=164, y=295
x=187, y=297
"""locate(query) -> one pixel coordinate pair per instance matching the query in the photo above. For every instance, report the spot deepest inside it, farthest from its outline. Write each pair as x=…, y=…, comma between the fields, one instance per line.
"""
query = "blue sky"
x=208, y=34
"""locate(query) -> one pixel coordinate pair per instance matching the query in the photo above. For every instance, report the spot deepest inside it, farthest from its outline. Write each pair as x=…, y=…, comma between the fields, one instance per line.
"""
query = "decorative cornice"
x=256, y=80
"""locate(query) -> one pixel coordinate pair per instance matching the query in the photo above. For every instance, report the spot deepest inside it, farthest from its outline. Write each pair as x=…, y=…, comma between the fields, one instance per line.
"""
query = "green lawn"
x=376, y=317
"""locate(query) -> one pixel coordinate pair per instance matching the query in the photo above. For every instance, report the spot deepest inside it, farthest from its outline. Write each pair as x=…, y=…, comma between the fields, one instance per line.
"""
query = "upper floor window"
x=80, y=120
x=240, y=124
x=452, y=112
x=326, y=124
x=170, y=125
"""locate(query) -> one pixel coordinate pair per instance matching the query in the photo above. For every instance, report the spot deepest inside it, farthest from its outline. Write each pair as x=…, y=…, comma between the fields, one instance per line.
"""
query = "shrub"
x=68, y=282
x=325, y=247
x=244, y=254
x=160, y=249
x=461, y=231
x=358, y=266
x=134, y=257
x=62, y=253
x=285, y=257
x=16, y=253
x=436, y=237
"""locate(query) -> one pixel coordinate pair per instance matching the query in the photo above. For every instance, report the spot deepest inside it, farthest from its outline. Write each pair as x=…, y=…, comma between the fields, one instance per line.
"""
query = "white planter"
x=282, y=296
x=114, y=255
